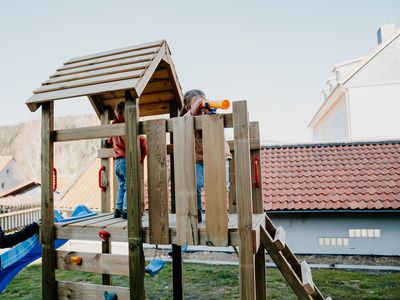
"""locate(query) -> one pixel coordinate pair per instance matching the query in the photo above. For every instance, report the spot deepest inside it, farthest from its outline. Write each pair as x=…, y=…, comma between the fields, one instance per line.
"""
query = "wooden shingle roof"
x=146, y=70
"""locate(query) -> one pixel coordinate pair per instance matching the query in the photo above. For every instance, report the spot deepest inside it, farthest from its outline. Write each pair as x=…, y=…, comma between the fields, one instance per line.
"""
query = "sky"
x=277, y=55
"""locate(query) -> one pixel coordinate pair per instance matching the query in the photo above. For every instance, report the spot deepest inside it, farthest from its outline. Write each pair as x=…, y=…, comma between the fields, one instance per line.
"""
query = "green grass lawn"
x=222, y=282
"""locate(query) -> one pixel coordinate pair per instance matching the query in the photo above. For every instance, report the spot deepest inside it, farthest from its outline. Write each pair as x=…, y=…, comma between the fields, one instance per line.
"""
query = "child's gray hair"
x=189, y=95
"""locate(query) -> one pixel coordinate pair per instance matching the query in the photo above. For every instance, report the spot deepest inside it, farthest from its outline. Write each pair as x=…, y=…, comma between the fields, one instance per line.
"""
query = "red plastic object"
x=54, y=179
x=256, y=178
x=104, y=235
x=102, y=187
x=143, y=148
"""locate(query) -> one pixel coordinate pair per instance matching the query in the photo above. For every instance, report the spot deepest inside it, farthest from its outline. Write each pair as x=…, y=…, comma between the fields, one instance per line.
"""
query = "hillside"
x=23, y=142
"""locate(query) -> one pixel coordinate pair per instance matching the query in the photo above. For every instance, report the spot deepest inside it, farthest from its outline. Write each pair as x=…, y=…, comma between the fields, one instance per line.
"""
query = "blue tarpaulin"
x=18, y=257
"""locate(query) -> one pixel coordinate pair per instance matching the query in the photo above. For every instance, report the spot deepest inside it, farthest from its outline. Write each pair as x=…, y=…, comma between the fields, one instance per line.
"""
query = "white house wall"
x=8, y=178
x=375, y=111
x=382, y=69
x=334, y=126
x=320, y=233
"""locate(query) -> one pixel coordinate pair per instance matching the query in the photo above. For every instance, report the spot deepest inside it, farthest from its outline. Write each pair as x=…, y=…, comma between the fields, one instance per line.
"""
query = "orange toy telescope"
x=224, y=104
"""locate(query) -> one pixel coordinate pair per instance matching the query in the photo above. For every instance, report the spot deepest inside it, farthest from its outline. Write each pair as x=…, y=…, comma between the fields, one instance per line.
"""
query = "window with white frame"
x=333, y=241
x=365, y=233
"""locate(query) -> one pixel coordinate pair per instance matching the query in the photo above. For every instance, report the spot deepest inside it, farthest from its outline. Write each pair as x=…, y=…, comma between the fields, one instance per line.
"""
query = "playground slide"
x=18, y=257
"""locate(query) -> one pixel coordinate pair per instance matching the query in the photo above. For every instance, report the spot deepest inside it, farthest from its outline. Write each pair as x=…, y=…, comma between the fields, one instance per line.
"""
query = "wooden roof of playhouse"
x=146, y=70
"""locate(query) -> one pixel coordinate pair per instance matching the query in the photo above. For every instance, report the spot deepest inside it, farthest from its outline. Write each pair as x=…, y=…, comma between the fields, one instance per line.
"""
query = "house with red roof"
x=338, y=198
x=361, y=97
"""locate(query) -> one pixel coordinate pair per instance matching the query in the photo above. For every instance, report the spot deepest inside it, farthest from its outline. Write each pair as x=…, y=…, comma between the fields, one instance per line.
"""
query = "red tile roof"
x=363, y=175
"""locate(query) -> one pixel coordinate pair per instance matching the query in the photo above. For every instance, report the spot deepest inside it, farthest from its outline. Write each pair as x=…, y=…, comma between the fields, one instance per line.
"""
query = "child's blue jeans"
x=120, y=172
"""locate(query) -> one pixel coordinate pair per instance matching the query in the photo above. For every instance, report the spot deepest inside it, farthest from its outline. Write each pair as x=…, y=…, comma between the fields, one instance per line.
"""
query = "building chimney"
x=385, y=32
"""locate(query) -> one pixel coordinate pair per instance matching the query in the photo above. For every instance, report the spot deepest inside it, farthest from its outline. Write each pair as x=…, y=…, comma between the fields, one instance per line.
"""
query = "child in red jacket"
x=118, y=143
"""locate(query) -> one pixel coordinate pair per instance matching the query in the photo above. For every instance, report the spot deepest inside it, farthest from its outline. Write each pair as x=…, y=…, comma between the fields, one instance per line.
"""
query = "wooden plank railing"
x=215, y=194
x=15, y=217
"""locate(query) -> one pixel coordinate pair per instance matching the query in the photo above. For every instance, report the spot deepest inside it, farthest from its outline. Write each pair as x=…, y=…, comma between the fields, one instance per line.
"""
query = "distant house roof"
x=340, y=176
x=4, y=161
x=371, y=56
x=84, y=190
x=20, y=188
x=345, y=176
x=343, y=82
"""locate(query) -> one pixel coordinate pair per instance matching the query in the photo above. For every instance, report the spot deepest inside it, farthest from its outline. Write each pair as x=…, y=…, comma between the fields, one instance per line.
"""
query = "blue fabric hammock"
x=23, y=254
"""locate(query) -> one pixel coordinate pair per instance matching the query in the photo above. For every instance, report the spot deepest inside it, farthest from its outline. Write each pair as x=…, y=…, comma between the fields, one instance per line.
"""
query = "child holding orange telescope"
x=195, y=103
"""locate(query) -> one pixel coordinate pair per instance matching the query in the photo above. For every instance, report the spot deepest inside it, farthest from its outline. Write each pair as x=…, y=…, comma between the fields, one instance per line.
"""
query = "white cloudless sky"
x=275, y=54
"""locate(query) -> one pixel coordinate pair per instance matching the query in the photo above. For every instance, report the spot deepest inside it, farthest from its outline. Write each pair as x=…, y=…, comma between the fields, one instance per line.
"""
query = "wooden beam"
x=114, y=264
x=76, y=291
x=215, y=180
x=244, y=199
x=141, y=85
x=89, y=81
x=157, y=183
x=49, y=290
x=119, y=234
x=139, y=53
x=133, y=193
x=92, y=132
x=232, y=187
x=115, y=52
x=254, y=144
x=177, y=278
x=173, y=113
x=260, y=274
x=83, y=91
x=255, y=157
x=104, y=131
x=185, y=181
x=105, y=206
x=158, y=86
x=105, y=65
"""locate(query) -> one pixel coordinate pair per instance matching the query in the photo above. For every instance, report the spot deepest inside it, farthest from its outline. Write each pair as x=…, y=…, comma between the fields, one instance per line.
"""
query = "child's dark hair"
x=120, y=108
x=189, y=95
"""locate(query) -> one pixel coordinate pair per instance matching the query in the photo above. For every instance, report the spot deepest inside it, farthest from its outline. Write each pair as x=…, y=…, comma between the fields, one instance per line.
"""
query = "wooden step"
x=306, y=278
x=284, y=267
x=68, y=290
x=287, y=255
x=280, y=238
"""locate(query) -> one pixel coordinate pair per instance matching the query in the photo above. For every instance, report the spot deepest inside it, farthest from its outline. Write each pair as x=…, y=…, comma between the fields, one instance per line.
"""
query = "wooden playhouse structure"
x=144, y=77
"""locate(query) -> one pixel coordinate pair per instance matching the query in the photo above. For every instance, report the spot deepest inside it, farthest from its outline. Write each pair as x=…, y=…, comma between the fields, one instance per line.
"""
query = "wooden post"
x=260, y=273
x=105, y=179
x=49, y=286
x=177, y=277
x=258, y=208
x=185, y=181
x=232, y=187
x=215, y=180
x=133, y=190
x=173, y=113
x=157, y=182
x=255, y=155
x=244, y=199
x=106, y=194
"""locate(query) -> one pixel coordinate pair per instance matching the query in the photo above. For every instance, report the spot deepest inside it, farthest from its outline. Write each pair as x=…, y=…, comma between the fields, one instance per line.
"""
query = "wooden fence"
x=14, y=217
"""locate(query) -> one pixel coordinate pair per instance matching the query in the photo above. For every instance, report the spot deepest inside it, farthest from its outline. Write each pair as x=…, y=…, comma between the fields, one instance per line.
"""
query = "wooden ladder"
x=298, y=275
